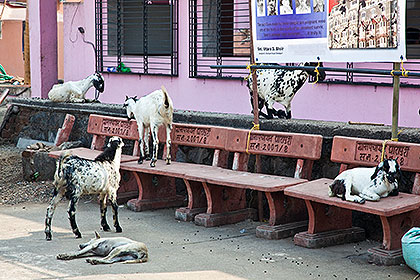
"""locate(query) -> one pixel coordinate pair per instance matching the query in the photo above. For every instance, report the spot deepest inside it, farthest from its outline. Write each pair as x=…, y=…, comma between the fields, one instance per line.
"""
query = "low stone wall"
x=40, y=119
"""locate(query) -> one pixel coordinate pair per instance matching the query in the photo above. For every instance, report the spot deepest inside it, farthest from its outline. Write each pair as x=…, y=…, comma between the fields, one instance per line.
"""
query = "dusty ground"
x=13, y=188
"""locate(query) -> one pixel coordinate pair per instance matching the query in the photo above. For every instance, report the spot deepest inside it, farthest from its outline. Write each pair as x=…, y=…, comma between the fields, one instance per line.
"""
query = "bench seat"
x=330, y=218
x=317, y=191
x=87, y=153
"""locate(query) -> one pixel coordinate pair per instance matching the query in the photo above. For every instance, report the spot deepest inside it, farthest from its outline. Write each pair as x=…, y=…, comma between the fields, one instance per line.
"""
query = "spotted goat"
x=280, y=85
x=150, y=112
x=367, y=183
x=75, y=177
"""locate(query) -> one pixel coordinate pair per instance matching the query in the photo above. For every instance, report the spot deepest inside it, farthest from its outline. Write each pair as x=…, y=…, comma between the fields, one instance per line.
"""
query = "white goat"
x=364, y=183
x=279, y=85
x=72, y=91
x=150, y=112
x=75, y=177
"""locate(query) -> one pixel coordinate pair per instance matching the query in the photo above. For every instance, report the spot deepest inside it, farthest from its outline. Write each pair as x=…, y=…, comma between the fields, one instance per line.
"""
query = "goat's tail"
x=59, y=172
x=166, y=97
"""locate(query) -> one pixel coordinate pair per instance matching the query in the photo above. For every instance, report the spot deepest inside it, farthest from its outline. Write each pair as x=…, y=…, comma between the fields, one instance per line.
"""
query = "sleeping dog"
x=113, y=249
x=361, y=184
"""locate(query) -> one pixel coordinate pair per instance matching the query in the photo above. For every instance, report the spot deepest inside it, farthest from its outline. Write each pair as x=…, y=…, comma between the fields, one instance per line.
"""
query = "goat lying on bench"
x=113, y=249
x=364, y=183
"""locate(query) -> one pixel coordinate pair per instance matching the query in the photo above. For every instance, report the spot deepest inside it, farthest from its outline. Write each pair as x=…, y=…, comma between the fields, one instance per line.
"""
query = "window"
x=137, y=36
x=219, y=35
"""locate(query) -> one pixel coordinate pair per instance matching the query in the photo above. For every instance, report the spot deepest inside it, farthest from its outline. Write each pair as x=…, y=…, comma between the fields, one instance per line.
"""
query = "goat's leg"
x=114, y=205
x=72, y=215
x=58, y=195
x=103, y=207
x=288, y=111
x=354, y=198
x=369, y=195
x=168, y=143
x=146, y=142
x=141, y=141
x=155, y=145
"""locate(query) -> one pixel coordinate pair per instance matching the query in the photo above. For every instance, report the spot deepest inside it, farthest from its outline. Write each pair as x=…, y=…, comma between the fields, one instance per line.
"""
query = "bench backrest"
x=194, y=135
x=304, y=147
x=352, y=152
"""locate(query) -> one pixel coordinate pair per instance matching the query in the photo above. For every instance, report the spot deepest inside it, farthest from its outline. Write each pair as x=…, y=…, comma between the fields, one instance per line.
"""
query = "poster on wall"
x=331, y=30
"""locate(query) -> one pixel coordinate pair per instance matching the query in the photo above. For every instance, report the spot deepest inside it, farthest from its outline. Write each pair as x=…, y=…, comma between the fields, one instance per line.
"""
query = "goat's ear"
x=97, y=236
x=126, y=98
x=379, y=167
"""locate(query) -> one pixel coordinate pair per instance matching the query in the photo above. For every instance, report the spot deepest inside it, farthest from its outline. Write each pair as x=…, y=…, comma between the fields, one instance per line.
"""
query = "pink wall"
x=11, y=55
x=320, y=102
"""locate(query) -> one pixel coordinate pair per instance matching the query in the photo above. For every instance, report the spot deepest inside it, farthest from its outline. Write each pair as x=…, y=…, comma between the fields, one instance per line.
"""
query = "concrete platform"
x=178, y=250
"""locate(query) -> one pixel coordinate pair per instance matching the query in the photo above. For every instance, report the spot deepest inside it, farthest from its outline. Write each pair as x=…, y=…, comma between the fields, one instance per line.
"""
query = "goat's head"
x=322, y=73
x=98, y=82
x=116, y=142
x=129, y=105
x=391, y=170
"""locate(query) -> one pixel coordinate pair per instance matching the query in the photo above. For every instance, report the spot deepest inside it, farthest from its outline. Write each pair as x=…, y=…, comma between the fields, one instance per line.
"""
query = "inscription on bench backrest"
x=113, y=126
x=367, y=152
x=272, y=143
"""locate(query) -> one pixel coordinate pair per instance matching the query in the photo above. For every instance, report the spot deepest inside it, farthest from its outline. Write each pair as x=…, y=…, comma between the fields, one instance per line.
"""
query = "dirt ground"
x=13, y=188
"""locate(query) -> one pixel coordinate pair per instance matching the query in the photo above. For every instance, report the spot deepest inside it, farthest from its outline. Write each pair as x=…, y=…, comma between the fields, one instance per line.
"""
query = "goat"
x=150, y=112
x=364, y=183
x=75, y=91
x=75, y=177
x=279, y=85
x=113, y=249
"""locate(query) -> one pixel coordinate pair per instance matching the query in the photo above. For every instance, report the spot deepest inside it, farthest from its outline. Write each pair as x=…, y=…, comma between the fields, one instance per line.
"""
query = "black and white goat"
x=280, y=85
x=75, y=177
x=150, y=112
x=364, y=183
x=75, y=91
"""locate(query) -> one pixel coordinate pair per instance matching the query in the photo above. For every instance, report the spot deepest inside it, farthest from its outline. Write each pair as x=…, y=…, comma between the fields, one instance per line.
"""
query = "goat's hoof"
x=168, y=161
x=48, y=236
x=140, y=161
x=118, y=229
x=78, y=234
x=153, y=163
x=106, y=228
x=362, y=201
x=148, y=158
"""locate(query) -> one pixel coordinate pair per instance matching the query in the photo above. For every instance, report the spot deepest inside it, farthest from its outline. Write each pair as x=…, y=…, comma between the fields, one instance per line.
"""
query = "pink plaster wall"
x=320, y=102
x=11, y=55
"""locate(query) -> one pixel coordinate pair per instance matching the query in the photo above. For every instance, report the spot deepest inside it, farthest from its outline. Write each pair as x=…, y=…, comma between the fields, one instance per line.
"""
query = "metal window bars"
x=137, y=36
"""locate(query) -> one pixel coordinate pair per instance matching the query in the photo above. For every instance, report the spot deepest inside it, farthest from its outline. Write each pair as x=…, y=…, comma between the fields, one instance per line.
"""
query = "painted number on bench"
x=116, y=127
x=270, y=143
x=192, y=135
x=369, y=152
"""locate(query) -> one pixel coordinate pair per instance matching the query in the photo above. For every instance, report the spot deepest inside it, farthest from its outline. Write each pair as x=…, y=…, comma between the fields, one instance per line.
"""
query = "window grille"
x=137, y=36
x=219, y=35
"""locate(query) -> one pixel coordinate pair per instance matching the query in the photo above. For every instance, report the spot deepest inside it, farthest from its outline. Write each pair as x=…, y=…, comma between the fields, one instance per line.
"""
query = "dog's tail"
x=166, y=97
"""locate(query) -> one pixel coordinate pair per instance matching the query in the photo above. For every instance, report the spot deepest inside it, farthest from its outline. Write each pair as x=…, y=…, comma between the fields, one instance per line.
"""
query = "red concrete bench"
x=225, y=189
x=330, y=218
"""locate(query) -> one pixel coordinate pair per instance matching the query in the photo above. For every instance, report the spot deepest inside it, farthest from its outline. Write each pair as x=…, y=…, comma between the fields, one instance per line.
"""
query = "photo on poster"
x=260, y=8
x=272, y=7
x=318, y=6
x=286, y=7
x=363, y=24
x=303, y=6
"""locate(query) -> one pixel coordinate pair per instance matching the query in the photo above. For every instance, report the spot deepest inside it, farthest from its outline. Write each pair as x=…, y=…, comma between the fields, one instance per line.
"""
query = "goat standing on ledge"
x=150, y=112
x=75, y=177
x=76, y=91
x=280, y=85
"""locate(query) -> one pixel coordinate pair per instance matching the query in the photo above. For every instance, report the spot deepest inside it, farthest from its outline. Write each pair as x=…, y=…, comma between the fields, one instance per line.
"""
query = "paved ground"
x=178, y=250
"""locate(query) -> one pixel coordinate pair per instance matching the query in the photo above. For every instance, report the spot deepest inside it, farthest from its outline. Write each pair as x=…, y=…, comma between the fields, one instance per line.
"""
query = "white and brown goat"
x=150, y=112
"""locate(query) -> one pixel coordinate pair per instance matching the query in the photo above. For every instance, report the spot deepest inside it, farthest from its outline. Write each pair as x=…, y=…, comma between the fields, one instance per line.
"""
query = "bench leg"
x=224, y=206
x=328, y=225
x=288, y=216
x=197, y=202
x=155, y=192
x=394, y=228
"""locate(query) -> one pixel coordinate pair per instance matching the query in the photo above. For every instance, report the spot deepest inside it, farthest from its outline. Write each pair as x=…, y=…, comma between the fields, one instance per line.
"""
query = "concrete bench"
x=330, y=218
x=225, y=189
